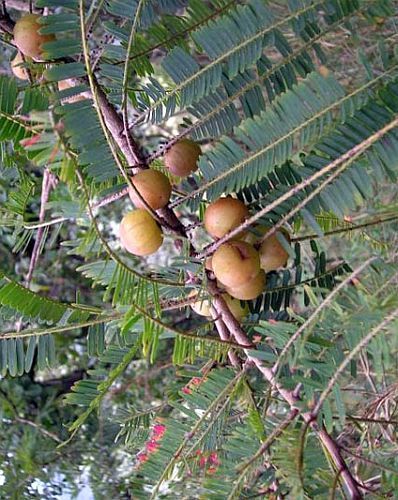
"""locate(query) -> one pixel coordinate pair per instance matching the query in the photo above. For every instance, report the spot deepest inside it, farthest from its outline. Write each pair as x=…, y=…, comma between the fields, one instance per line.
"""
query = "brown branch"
x=48, y=183
x=125, y=141
x=271, y=438
x=22, y=5
x=111, y=198
x=224, y=335
x=6, y=23
x=290, y=396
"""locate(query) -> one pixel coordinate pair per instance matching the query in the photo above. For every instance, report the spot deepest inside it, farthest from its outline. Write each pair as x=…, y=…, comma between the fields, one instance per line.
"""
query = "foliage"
x=109, y=382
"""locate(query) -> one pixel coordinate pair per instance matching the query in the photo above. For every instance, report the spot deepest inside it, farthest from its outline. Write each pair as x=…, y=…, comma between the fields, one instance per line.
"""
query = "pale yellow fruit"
x=249, y=290
x=235, y=263
x=182, y=158
x=27, y=37
x=236, y=308
x=223, y=215
x=139, y=233
x=272, y=253
x=202, y=306
x=153, y=186
x=324, y=71
x=18, y=69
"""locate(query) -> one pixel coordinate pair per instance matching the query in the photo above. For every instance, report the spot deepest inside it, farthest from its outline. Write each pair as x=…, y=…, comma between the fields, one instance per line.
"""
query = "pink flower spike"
x=186, y=390
x=196, y=381
x=202, y=462
x=211, y=470
x=152, y=446
x=158, y=431
x=213, y=458
x=142, y=457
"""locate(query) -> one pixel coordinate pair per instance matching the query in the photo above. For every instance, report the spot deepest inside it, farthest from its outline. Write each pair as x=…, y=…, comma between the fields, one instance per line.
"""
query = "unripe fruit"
x=18, y=69
x=249, y=290
x=139, y=233
x=202, y=307
x=68, y=84
x=272, y=253
x=27, y=37
x=153, y=186
x=182, y=158
x=223, y=215
x=235, y=263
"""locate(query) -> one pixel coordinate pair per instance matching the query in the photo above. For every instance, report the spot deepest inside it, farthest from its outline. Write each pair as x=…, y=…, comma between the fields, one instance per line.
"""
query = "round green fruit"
x=202, y=307
x=236, y=308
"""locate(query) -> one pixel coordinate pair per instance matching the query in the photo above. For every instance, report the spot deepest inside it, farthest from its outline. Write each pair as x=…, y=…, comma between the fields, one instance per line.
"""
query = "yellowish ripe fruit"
x=18, y=69
x=202, y=306
x=324, y=71
x=27, y=37
x=68, y=84
x=251, y=289
x=223, y=215
x=235, y=263
x=236, y=308
x=182, y=158
x=272, y=253
x=153, y=186
x=139, y=233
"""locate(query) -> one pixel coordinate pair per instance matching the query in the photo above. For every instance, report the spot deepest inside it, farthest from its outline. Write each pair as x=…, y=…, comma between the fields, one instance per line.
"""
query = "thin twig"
x=318, y=310
x=224, y=335
x=270, y=439
x=290, y=396
x=374, y=222
x=347, y=360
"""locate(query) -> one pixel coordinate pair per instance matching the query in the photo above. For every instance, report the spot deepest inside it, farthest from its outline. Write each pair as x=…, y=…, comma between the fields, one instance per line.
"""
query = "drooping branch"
x=290, y=396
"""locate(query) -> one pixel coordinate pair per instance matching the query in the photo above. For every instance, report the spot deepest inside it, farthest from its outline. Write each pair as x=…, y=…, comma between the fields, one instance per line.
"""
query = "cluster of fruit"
x=239, y=265
x=139, y=232
x=29, y=40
